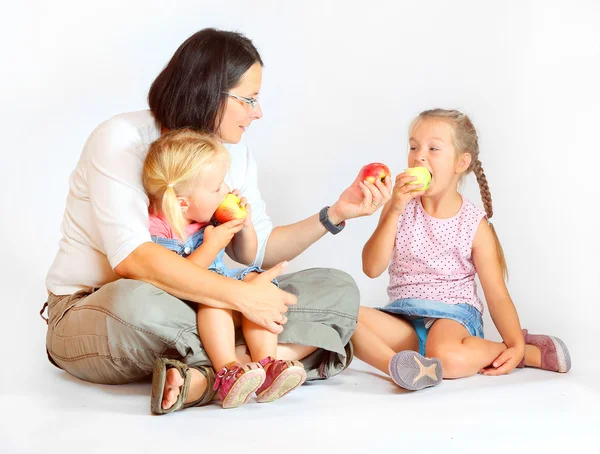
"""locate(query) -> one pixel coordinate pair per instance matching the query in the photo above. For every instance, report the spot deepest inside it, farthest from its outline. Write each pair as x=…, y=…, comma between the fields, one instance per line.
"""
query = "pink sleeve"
x=160, y=227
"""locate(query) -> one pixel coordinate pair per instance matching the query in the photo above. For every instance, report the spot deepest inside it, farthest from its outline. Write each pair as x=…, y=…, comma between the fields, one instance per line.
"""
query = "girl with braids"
x=435, y=242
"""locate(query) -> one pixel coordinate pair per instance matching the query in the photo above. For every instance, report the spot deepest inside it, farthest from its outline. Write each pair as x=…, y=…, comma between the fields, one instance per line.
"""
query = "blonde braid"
x=484, y=188
x=486, y=198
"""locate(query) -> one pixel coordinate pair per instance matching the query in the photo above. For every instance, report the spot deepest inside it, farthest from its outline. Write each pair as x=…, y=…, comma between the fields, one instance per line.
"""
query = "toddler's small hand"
x=244, y=204
x=222, y=234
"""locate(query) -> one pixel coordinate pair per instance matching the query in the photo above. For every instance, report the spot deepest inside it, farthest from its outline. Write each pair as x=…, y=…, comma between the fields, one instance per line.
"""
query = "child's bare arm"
x=204, y=255
x=378, y=251
x=243, y=246
x=501, y=307
x=215, y=239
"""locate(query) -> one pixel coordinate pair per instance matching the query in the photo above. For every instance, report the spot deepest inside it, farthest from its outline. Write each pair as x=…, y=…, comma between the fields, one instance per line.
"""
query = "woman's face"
x=238, y=114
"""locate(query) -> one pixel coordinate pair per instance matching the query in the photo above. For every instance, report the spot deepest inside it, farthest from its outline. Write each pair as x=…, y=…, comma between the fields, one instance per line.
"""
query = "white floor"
x=531, y=411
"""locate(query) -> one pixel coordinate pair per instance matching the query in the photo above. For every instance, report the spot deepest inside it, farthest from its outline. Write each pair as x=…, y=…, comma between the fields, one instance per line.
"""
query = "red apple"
x=374, y=171
x=230, y=209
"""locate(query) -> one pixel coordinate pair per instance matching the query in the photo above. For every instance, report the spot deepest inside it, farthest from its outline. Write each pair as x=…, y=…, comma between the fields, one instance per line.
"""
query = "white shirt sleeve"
x=260, y=219
x=114, y=156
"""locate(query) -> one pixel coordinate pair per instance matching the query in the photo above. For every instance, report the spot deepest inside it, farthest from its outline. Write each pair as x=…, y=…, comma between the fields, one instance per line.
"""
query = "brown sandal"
x=159, y=377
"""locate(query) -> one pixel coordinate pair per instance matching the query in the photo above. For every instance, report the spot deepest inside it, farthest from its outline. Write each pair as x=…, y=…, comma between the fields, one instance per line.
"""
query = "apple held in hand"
x=423, y=177
x=375, y=171
x=230, y=209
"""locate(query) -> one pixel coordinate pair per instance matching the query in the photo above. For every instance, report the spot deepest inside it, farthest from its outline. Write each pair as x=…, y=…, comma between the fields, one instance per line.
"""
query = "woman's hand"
x=404, y=192
x=506, y=362
x=360, y=199
x=268, y=302
x=221, y=235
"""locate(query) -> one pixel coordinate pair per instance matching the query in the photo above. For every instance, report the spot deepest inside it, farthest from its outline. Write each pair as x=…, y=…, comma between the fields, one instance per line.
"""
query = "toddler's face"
x=208, y=193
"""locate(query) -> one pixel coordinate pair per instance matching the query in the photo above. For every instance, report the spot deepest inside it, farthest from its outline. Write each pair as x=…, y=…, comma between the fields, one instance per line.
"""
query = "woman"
x=120, y=307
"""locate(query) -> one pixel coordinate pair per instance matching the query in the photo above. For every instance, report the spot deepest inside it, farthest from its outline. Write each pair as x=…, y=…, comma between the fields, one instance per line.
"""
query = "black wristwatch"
x=324, y=218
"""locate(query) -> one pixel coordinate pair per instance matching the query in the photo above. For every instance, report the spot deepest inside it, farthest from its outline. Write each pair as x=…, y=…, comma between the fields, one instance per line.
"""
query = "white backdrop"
x=342, y=80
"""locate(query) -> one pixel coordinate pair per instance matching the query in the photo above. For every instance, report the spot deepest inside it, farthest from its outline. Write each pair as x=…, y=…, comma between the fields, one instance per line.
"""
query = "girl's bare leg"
x=462, y=355
x=379, y=336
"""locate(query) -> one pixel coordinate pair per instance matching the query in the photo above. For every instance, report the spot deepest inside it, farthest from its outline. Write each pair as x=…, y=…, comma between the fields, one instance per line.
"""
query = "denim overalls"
x=190, y=244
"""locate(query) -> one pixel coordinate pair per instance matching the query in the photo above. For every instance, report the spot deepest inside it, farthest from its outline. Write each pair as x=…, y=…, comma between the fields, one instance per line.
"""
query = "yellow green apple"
x=423, y=177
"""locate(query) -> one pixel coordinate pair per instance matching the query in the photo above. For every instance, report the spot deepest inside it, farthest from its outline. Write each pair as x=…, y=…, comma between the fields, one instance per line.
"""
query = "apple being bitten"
x=374, y=171
x=423, y=177
x=230, y=209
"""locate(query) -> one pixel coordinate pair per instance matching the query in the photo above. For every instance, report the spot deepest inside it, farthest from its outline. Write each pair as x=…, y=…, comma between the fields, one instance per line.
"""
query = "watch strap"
x=331, y=227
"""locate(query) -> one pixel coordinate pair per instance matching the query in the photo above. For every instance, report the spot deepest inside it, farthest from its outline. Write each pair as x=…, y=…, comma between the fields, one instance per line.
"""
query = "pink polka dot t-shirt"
x=432, y=257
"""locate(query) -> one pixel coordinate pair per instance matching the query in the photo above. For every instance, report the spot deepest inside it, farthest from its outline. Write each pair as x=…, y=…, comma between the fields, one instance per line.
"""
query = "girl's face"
x=431, y=146
x=239, y=114
x=207, y=194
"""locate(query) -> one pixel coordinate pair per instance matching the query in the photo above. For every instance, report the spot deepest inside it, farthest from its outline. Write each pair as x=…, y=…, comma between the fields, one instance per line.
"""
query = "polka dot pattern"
x=432, y=257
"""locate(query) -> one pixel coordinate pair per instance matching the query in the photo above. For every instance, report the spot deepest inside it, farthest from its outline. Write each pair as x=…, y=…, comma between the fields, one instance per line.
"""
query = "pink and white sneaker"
x=281, y=378
x=235, y=383
x=555, y=354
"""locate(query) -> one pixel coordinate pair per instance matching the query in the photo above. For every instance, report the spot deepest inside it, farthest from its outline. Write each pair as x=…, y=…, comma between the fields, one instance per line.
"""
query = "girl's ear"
x=464, y=161
x=184, y=203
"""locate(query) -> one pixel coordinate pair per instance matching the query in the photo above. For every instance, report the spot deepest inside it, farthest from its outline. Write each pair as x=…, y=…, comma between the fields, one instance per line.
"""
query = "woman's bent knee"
x=138, y=303
x=114, y=334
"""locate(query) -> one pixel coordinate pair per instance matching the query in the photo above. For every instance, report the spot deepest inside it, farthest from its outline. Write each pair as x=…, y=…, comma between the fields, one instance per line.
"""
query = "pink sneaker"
x=235, y=383
x=555, y=354
x=282, y=377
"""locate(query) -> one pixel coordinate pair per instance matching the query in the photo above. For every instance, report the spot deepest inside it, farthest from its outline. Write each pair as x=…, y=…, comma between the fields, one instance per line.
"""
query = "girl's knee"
x=453, y=358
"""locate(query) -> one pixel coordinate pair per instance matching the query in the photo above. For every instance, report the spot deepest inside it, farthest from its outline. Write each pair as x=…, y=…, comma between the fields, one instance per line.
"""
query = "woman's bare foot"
x=173, y=383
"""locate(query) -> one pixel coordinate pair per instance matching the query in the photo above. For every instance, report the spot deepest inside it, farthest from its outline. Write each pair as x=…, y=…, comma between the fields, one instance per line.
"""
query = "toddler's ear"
x=464, y=161
x=184, y=203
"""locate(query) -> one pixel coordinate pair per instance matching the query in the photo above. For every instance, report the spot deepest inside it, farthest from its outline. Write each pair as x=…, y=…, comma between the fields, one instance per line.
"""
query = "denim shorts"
x=418, y=311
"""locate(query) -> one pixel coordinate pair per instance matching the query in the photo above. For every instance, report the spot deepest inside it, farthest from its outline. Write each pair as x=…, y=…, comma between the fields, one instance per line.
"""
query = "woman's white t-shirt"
x=106, y=215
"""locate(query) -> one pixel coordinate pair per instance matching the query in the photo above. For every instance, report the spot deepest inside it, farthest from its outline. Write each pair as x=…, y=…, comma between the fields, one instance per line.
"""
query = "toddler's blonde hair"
x=173, y=165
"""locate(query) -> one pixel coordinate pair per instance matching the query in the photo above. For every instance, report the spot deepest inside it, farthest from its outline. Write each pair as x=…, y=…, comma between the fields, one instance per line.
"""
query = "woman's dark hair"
x=188, y=93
